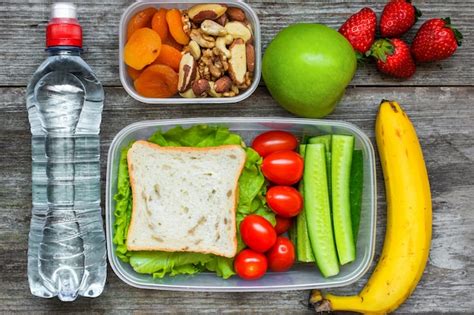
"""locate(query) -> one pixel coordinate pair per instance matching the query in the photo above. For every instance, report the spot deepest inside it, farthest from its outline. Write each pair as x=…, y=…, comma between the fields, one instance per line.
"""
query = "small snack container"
x=300, y=276
x=138, y=6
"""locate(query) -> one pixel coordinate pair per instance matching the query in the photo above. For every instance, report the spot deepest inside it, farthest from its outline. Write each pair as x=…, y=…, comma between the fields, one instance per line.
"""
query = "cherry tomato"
x=257, y=233
x=250, y=265
x=283, y=167
x=282, y=255
x=273, y=141
x=282, y=225
x=285, y=201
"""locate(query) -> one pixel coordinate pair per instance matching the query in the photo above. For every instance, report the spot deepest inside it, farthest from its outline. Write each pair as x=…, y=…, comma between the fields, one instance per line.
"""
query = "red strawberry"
x=397, y=18
x=359, y=30
x=436, y=39
x=393, y=58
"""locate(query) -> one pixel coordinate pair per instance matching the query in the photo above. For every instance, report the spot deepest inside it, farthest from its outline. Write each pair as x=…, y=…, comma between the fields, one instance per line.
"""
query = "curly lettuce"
x=252, y=191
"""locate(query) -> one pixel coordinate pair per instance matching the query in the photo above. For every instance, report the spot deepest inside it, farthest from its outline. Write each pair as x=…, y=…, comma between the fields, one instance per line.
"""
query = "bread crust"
x=135, y=195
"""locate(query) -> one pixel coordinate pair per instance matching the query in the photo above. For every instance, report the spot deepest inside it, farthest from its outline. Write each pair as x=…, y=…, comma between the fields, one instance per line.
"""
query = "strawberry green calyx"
x=381, y=49
x=457, y=33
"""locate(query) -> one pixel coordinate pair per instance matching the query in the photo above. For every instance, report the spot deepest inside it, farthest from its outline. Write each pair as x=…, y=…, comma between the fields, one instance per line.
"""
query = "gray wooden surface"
x=439, y=99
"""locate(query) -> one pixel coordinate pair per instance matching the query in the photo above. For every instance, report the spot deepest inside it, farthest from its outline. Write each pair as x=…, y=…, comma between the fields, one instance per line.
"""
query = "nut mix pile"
x=205, y=51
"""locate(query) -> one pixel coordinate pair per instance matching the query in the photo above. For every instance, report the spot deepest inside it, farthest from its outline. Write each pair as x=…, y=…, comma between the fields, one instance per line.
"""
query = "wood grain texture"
x=443, y=117
x=22, y=31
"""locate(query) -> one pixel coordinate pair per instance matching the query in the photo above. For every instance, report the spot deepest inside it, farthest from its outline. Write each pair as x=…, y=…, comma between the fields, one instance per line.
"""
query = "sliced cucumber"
x=327, y=141
x=317, y=209
x=303, y=246
x=356, y=186
x=342, y=148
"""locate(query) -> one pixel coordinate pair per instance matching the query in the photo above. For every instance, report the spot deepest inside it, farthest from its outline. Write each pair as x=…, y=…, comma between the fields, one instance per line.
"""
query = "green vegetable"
x=251, y=200
x=318, y=212
x=357, y=186
x=303, y=246
x=342, y=148
x=327, y=141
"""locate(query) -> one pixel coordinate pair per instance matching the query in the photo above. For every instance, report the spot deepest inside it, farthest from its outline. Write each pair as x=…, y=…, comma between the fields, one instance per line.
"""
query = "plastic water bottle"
x=66, y=250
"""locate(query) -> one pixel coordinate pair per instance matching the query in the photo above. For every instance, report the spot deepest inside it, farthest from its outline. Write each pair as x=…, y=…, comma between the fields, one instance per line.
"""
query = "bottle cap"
x=63, y=28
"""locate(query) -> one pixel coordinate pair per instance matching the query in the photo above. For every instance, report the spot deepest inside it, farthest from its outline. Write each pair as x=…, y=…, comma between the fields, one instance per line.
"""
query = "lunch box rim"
x=332, y=283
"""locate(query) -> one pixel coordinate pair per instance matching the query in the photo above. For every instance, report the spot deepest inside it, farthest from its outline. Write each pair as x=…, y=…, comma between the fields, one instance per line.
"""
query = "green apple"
x=307, y=68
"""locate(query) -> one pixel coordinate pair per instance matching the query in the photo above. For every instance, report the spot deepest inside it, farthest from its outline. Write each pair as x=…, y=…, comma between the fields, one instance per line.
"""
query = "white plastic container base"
x=184, y=4
x=301, y=276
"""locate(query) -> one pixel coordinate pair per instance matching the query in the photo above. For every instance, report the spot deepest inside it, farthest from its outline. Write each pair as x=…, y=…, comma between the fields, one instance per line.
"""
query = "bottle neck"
x=64, y=50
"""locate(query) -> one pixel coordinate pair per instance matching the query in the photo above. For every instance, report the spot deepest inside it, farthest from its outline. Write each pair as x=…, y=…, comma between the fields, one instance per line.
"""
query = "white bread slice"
x=184, y=199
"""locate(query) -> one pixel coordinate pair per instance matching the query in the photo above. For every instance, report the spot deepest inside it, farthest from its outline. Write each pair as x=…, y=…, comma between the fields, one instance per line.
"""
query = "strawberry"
x=359, y=30
x=397, y=18
x=394, y=58
x=436, y=39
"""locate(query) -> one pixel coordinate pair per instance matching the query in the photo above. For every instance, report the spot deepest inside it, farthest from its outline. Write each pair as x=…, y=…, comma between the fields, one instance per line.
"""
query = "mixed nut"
x=219, y=60
x=204, y=51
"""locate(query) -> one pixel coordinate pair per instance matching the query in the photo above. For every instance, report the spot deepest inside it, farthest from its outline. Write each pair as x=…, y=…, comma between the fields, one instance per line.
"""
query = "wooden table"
x=439, y=99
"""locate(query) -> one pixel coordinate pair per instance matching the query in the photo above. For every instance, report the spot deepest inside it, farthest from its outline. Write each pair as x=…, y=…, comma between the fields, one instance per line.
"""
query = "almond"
x=223, y=84
x=201, y=86
x=236, y=14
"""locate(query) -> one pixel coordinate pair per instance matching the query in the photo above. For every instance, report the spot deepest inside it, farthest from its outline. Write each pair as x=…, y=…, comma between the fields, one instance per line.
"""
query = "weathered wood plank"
x=443, y=118
x=22, y=29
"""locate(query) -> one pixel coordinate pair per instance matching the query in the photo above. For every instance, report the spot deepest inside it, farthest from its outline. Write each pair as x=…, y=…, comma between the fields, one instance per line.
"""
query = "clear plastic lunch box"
x=301, y=276
x=140, y=5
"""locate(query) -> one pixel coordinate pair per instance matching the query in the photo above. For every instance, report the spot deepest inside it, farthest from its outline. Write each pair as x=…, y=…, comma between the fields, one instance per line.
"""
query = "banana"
x=408, y=235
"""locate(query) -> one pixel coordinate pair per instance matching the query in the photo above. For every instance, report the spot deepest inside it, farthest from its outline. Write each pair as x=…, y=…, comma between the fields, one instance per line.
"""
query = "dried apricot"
x=133, y=73
x=159, y=24
x=142, y=48
x=158, y=81
x=173, y=17
x=140, y=20
x=169, y=56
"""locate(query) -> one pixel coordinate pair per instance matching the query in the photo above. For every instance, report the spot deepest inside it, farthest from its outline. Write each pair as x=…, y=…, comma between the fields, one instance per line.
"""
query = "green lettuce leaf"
x=252, y=191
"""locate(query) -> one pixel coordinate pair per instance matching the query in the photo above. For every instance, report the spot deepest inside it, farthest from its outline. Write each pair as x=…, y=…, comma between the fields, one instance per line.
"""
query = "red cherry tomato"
x=283, y=167
x=282, y=225
x=285, y=201
x=257, y=233
x=273, y=141
x=282, y=255
x=250, y=265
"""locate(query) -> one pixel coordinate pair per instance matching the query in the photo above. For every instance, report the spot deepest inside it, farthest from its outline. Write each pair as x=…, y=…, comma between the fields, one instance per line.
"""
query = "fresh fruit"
x=317, y=209
x=341, y=158
x=169, y=56
x=250, y=265
x=142, y=48
x=397, y=18
x=436, y=40
x=159, y=24
x=272, y=141
x=394, y=58
x=307, y=68
x=257, y=233
x=282, y=224
x=283, y=167
x=408, y=235
x=359, y=30
x=157, y=81
x=285, y=201
x=140, y=20
x=281, y=256
x=175, y=25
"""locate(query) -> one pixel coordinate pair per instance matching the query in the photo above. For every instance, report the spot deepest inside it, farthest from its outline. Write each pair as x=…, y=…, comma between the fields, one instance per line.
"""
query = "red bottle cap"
x=63, y=28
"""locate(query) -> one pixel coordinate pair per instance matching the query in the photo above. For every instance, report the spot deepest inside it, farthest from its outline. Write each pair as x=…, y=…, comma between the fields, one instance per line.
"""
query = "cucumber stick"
x=342, y=148
x=318, y=212
x=326, y=140
x=304, y=252
x=357, y=186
